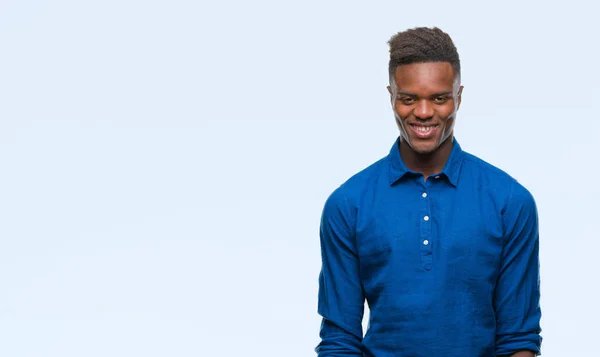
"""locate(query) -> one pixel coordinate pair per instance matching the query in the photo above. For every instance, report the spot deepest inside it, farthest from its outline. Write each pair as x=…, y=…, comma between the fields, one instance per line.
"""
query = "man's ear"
x=459, y=97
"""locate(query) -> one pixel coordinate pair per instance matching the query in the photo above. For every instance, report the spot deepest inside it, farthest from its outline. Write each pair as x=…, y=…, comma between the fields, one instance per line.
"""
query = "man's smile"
x=424, y=131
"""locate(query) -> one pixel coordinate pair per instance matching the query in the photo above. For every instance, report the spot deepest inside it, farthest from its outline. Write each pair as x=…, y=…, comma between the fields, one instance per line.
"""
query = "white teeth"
x=424, y=129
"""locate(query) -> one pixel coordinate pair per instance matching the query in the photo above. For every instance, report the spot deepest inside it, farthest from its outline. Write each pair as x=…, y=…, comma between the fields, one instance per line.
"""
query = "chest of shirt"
x=417, y=227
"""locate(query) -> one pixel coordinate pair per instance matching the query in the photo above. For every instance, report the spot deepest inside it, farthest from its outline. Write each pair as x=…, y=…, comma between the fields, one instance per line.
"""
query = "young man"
x=442, y=245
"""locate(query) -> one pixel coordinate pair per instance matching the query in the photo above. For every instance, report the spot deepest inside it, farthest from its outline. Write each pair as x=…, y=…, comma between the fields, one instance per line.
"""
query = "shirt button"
x=426, y=218
x=426, y=242
x=424, y=194
x=437, y=177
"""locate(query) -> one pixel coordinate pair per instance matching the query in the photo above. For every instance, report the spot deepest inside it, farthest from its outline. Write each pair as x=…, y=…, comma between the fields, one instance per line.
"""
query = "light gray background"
x=164, y=163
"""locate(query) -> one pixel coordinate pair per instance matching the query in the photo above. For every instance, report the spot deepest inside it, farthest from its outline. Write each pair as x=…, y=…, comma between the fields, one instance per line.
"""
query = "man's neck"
x=427, y=164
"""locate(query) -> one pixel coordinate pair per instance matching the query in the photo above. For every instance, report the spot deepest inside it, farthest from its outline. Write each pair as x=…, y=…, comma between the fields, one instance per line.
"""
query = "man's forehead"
x=430, y=74
x=425, y=69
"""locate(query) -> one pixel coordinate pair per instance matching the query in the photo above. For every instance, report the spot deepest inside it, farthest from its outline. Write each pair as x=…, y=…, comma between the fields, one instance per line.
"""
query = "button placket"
x=425, y=234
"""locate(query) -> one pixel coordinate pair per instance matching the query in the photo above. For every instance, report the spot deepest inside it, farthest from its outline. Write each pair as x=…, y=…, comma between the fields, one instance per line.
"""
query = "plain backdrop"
x=164, y=164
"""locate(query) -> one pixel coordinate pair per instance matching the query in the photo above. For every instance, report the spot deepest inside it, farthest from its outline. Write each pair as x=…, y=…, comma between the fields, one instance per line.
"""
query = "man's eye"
x=407, y=100
x=440, y=99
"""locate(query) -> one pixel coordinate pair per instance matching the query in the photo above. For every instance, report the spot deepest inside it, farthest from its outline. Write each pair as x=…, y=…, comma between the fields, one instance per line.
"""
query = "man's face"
x=425, y=98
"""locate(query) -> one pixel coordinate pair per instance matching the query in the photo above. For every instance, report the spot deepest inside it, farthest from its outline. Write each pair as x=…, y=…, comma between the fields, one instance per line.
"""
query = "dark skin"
x=427, y=95
x=521, y=354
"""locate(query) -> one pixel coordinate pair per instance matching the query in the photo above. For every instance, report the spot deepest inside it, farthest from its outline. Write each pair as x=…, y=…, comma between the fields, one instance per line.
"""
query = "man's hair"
x=422, y=44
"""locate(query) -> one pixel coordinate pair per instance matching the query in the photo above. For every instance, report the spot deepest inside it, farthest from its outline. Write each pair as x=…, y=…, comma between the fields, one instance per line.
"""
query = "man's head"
x=425, y=90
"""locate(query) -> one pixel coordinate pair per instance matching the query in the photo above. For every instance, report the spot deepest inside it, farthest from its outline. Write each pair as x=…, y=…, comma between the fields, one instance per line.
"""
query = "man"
x=442, y=245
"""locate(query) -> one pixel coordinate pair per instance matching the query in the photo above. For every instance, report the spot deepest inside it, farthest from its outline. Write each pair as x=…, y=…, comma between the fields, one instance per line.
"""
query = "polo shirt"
x=449, y=266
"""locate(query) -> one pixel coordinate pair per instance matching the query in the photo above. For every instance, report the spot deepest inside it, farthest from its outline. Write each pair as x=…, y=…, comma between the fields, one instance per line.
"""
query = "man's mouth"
x=424, y=131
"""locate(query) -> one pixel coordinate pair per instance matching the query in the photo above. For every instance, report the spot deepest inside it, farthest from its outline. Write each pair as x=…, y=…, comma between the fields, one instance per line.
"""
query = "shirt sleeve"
x=517, y=294
x=341, y=298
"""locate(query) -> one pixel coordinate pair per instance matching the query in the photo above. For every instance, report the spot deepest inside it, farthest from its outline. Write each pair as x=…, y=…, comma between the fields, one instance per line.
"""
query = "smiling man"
x=442, y=245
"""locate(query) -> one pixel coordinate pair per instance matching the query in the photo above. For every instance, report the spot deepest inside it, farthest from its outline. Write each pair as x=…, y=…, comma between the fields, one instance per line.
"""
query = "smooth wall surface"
x=164, y=163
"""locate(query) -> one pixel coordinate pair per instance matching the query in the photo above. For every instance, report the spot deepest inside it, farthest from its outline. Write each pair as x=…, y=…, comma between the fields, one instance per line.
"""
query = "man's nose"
x=424, y=109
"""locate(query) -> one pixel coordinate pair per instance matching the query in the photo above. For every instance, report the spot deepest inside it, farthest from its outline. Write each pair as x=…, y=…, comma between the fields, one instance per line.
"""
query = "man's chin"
x=423, y=147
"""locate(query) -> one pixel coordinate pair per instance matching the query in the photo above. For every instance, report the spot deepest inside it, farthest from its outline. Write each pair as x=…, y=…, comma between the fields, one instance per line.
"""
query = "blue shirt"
x=448, y=266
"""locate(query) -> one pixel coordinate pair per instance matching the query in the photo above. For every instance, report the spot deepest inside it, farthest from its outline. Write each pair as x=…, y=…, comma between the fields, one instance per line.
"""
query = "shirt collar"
x=451, y=170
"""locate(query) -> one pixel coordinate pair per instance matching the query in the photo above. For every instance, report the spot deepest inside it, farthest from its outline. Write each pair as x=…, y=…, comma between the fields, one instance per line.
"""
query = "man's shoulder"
x=474, y=165
x=355, y=186
x=496, y=178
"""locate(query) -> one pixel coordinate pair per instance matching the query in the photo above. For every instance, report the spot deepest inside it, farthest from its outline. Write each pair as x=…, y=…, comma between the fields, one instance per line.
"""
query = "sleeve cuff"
x=509, y=344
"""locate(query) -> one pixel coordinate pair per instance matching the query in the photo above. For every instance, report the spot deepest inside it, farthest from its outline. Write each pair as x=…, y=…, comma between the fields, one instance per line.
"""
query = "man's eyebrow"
x=442, y=93
x=401, y=92
x=410, y=94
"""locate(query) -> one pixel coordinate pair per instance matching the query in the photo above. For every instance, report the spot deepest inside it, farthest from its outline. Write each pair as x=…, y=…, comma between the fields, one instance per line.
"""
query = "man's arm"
x=341, y=299
x=517, y=294
x=521, y=354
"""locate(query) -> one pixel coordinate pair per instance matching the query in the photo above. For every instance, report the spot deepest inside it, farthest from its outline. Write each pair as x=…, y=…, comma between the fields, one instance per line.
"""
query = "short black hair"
x=422, y=44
